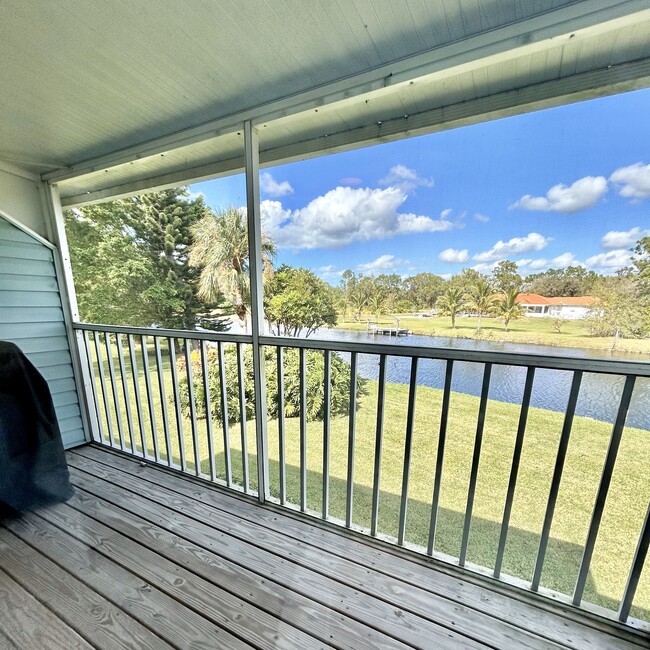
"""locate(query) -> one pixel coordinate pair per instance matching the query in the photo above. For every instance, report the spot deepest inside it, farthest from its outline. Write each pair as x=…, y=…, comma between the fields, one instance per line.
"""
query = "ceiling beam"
x=581, y=18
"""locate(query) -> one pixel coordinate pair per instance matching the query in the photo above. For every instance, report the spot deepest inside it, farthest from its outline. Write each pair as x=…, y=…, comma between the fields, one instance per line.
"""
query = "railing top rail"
x=158, y=331
x=608, y=366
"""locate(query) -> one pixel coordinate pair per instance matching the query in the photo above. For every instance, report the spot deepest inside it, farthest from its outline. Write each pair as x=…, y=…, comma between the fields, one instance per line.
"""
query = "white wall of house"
x=570, y=312
x=22, y=200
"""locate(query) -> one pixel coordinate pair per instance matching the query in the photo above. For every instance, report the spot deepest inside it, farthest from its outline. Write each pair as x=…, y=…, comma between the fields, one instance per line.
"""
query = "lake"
x=599, y=395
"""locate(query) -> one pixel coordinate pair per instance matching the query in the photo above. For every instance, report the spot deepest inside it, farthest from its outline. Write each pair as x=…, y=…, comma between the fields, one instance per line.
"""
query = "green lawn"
x=628, y=497
x=536, y=331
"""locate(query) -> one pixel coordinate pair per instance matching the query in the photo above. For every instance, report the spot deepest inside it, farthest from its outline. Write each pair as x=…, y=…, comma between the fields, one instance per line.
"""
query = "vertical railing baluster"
x=440, y=455
x=281, y=427
x=116, y=399
x=136, y=394
x=224, y=415
x=102, y=383
x=303, y=431
x=208, y=409
x=242, y=417
x=603, y=488
x=514, y=468
x=93, y=388
x=379, y=434
x=557, y=477
x=327, y=380
x=352, y=419
x=478, y=440
x=177, y=403
x=192, y=405
x=634, y=576
x=163, y=399
x=127, y=401
x=408, y=445
x=150, y=405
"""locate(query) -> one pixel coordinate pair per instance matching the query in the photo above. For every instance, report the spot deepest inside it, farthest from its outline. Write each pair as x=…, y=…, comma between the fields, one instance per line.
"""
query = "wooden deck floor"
x=144, y=558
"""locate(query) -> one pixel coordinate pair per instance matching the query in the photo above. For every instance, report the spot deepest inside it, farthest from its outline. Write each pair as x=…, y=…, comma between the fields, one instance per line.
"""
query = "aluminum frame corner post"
x=254, y=222
x=76, y=341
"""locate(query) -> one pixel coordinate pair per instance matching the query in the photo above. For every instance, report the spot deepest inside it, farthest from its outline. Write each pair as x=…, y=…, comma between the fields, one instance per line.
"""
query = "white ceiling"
x=108, y=96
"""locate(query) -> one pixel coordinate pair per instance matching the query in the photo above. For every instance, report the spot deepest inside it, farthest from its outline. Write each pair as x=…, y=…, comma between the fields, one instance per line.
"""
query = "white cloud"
x=453, y=256
x=622, y=238
x=501, y=250
x=351, y=180
x=542, y=263
x=445, y=213
x=345, y=215
x=633, y=181
x=582, y=194
x=481, y=217
x=615, y=259
x=381, y=264
x=270, y=186
x=405, y=178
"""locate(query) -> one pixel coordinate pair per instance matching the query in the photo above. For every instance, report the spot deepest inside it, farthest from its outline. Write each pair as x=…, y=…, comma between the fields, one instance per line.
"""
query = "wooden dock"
x=389, y=331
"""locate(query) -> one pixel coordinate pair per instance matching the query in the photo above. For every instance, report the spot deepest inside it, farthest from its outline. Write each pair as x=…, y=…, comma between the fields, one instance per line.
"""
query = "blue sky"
x=549, y=189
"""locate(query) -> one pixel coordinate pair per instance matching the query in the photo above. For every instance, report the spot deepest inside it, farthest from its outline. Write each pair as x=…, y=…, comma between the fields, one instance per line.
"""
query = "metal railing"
x=138, y=375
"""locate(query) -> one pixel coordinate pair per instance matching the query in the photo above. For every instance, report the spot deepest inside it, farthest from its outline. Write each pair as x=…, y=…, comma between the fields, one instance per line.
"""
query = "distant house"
x=569, y=307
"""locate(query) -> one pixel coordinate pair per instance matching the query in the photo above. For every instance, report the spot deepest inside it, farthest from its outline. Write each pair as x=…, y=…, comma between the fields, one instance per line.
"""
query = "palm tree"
x=220, y=247
x=508, y=308
x=451, y=304
x=377, y=302
x=480, y=299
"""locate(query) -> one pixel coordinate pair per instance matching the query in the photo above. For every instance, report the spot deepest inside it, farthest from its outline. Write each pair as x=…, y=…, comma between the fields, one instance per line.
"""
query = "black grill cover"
x=33, y=469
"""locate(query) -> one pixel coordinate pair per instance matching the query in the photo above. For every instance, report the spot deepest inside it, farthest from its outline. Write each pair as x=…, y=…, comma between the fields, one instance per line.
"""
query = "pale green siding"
x=31, y=316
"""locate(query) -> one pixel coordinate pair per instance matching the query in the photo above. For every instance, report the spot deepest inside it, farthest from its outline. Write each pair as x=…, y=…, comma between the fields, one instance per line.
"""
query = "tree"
x=480, y=300
x=619, y=311
x=572, y=281
x=424, y=289
x=508, y=308
x=129, y=260
x=220, y=250
x=296, y=300
x=451, y=303
x=505, y=276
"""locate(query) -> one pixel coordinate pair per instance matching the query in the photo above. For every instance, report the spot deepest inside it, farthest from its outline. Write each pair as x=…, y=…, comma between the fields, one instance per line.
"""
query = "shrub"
x=314, y=376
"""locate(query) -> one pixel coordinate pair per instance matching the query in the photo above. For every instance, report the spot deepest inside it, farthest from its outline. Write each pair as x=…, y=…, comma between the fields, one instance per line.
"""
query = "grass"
x=627, y=500
x=535, y=331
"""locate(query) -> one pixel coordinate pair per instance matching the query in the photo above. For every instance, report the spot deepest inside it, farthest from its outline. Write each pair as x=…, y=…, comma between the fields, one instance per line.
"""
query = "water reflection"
x=599, y=395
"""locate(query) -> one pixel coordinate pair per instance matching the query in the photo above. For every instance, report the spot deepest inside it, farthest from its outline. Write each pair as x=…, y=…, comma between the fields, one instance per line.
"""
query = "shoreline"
x=490, y=332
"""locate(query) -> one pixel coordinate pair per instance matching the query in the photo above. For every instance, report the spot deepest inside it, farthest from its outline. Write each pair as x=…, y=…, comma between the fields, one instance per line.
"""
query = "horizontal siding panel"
x=22, y=283
x=64, y=398
x=61, y=386
x=29, y=299
x=45, y=344
x=30, y=268
x=9, y=232
x=57, y=372
x=17, y=332
x=32, y=315
x=74, y=436
x=64, y=413
x=47, y=359
x=32, y=251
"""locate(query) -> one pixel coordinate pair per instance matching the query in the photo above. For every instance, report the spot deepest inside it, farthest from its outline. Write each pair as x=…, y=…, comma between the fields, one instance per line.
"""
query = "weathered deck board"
x=410, y=584
x=72, y=601
x=142, y=557
x=28, y=624
x=336, y=583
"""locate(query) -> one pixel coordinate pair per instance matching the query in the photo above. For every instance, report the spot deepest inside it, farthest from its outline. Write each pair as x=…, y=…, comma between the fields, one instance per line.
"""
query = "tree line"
x=168, y=259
